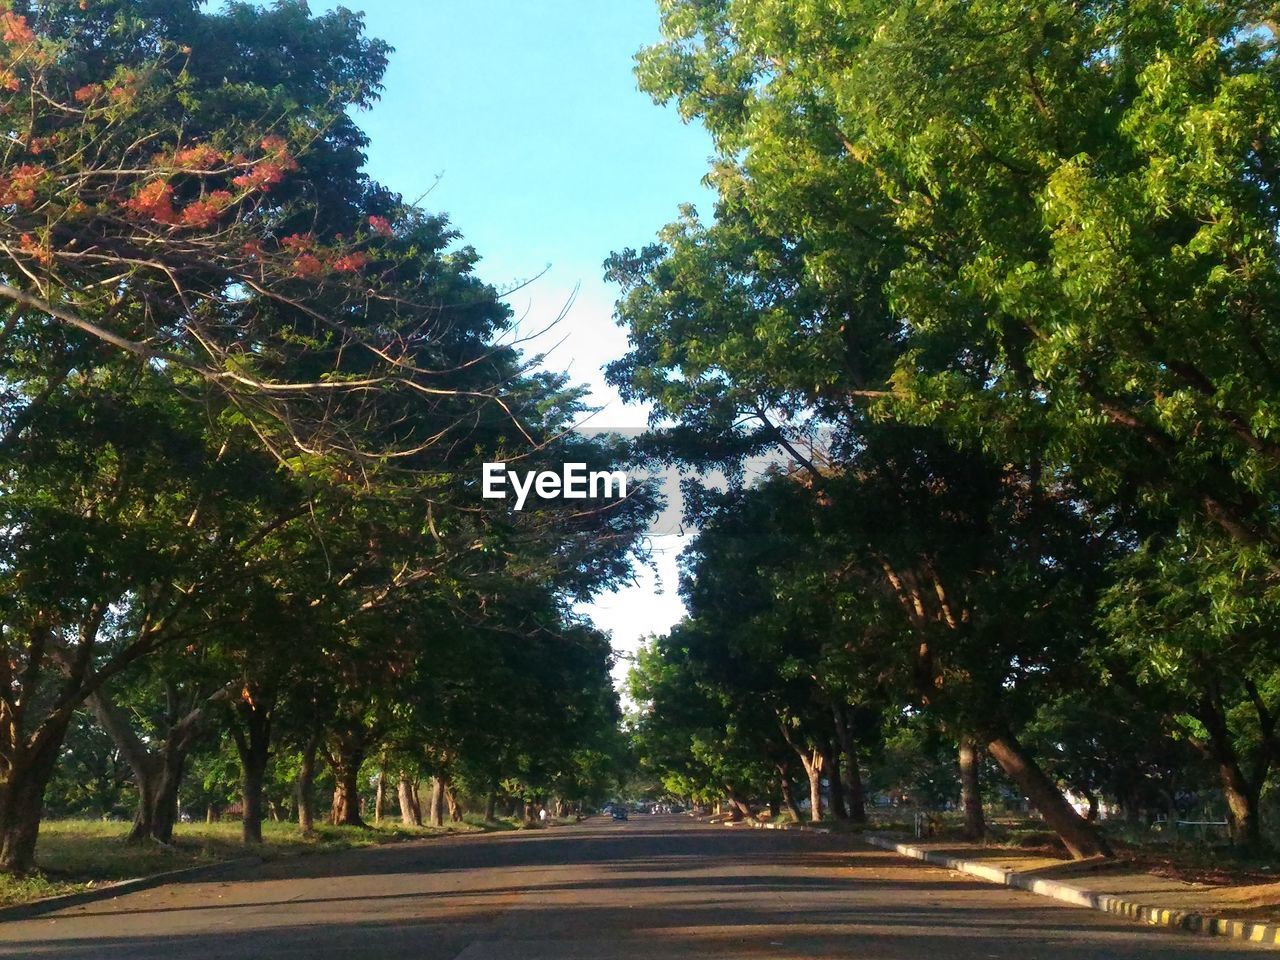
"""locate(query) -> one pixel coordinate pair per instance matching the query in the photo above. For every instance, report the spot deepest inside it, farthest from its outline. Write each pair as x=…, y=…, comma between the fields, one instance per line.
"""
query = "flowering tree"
x=206, y=233
x=216, y=336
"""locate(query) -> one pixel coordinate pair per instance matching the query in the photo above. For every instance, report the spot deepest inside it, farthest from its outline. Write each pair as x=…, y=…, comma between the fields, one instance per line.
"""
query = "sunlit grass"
x=74, y=855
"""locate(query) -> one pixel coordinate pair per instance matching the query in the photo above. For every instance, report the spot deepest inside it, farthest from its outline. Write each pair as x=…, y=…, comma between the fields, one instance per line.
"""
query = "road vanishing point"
x=655, y=887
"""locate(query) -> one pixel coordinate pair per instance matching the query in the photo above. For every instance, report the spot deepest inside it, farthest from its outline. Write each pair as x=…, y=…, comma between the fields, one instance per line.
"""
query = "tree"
x=1191, y=633
x=915, y=572
x=695, y=735
x=1013, y=228
x=1031, y=208
x=225, y=349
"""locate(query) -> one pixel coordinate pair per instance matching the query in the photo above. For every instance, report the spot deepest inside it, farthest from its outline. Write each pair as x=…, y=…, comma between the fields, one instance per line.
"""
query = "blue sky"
x=524, y=122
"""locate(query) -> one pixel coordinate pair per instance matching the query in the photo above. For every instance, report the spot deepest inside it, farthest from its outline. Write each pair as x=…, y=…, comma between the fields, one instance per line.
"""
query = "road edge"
x=109, y=891
x=1247, y=930
x=35, y=908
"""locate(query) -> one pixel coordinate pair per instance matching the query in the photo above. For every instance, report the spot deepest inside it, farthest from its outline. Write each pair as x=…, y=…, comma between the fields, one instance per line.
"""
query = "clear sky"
x=523, y=120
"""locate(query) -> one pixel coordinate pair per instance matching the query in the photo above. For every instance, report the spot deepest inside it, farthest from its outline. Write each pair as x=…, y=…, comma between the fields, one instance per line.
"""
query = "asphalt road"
x=656, y=887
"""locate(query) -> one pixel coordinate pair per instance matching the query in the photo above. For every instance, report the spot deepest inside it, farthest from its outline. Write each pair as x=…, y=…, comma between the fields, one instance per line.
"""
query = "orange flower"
x=263, y=175
x=275, y=145
x=29, y=245
x=352, y=262
x=307, y=266
x=199, y=157
x=22, y=183
x=380, y=225
x=88, y=92
x=155, y=201
x=15, y=28
x=202, y=212
x=125, y=85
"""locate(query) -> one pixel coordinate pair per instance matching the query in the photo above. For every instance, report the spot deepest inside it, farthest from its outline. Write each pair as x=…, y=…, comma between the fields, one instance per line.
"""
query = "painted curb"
x=24, y=911
x=1264, y=933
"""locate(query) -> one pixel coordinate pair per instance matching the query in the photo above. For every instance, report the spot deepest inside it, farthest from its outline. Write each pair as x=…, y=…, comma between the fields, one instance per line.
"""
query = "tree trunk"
x=165, y=812
x=147, y=781
x=788, y=794
x=306, y=781
x=252, y=777
x=451, y=799
x=22, y=797
x=251, y=730
x=1079, y=836
x=1241, y=794
x=158, y=780
x=739, y=809
x=158, y=771
x=854, y=797
x=835, y=785
x=812, y=761
x=346, y=762
x=436, y=815
x=410, y=815
x=975, y=824
x=415, y=798
x=490, y=806
x=345, y=810
x=380, y=798
x=1092, y=815
x=1242, y=806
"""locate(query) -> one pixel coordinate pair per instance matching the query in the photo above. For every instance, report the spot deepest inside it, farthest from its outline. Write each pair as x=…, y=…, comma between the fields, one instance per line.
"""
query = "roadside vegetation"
x=245, y=396
x=76, y=855
x=986, y=311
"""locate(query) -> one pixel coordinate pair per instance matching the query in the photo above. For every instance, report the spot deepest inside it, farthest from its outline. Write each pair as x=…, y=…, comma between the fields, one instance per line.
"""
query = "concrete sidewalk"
x=1107, y=885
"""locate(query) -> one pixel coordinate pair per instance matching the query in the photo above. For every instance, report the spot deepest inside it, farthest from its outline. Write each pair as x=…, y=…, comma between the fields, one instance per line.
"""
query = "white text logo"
x=573, y=482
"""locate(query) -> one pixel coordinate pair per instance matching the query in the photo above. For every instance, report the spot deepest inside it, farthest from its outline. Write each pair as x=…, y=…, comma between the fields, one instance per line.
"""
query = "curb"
x=1264, y=933
x=24, y=911
x=803, y=828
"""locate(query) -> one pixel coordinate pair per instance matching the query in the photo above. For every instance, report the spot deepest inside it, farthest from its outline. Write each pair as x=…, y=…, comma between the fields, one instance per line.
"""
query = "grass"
x=75, y=855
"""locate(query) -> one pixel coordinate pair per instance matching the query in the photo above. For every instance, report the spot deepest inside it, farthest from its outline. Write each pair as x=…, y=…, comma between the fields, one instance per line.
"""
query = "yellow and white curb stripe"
x=1266, y=933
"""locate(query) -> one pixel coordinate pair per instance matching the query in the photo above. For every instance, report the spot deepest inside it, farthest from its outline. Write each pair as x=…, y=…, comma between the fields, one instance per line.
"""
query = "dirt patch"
x=1190, y=870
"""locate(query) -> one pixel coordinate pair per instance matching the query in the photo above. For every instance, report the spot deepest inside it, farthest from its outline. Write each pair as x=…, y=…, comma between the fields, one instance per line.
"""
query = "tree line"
x=245, y=396
x=1000, y=281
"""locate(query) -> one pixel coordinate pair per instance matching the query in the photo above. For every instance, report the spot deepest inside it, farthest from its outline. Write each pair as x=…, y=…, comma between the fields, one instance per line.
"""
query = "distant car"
x=619, y=813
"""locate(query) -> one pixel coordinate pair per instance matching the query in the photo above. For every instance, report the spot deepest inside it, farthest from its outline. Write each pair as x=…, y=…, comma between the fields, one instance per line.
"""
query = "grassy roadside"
x=75, y=855
x=1215, y=864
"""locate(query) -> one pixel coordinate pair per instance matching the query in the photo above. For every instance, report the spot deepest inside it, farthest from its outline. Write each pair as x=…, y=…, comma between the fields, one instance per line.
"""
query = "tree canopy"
x=245, y=393
x=997, y=283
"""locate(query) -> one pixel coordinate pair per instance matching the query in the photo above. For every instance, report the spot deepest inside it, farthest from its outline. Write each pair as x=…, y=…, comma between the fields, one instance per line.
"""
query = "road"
x=656, y=887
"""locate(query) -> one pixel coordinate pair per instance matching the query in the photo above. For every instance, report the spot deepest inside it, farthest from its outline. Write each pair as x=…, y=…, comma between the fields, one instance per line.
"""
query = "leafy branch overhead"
x=208, y=232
